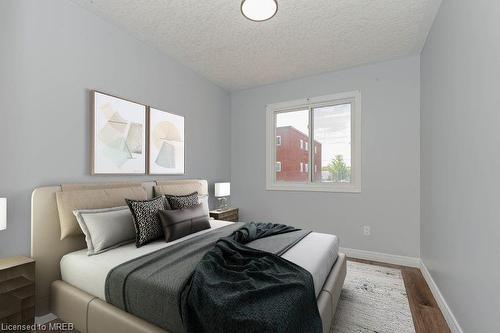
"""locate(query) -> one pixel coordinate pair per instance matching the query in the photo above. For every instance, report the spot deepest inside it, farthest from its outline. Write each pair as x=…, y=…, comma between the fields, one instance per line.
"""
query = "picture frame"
x=166, y=145
x=119, y=134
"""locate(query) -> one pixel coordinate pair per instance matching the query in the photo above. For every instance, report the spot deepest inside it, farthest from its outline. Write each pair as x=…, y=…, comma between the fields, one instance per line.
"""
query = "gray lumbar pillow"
x=106, y=228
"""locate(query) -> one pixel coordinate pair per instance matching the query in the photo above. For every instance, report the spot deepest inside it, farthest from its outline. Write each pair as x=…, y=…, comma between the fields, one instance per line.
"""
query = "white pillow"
x=106, y=228
x=203, y=199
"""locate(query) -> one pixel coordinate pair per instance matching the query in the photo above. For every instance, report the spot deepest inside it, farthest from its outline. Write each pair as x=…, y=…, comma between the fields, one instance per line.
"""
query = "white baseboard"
x=45, y=319
x=443, y=306
x=382, y=257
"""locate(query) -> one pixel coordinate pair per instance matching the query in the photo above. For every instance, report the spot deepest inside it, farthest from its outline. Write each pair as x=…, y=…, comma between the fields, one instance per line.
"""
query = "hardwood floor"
x=427, y=316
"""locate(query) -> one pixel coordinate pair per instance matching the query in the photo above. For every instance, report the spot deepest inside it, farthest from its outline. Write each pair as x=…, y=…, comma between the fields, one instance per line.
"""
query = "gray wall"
x=52, y=53
x=460, y=140
x=390, y=198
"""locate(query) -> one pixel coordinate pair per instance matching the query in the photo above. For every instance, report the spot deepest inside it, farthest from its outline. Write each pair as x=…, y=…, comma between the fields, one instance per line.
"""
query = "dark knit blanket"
x=237, y=288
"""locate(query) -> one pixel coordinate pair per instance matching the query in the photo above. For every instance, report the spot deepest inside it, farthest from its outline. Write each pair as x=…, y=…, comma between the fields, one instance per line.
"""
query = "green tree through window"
x=339, y=171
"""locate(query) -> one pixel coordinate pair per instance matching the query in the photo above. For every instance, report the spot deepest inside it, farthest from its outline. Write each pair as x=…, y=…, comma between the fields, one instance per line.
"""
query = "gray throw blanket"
x=151, y=286
x=236, y=288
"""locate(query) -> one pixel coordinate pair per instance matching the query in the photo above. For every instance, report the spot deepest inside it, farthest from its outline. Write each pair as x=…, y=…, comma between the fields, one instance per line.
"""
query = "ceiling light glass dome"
x=259, y=10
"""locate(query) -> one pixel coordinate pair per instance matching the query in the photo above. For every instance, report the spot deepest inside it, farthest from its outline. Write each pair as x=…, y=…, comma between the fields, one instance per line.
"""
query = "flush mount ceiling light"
x=259, y=10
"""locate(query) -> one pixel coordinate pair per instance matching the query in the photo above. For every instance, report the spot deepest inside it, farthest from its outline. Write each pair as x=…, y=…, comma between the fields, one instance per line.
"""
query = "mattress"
x=316, y=253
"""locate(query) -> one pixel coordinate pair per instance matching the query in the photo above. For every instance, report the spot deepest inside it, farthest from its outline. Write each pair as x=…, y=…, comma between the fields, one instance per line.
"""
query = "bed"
x=70, y=284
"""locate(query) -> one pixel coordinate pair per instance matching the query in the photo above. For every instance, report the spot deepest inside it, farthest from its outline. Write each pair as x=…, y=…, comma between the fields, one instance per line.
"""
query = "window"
x=330, y=124
x=292, y=127
x=278, y=140
x=278, y=166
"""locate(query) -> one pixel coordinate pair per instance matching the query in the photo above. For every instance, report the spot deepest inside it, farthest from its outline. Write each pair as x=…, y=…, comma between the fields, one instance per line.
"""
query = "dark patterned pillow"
x=146, y=220
x=182, y=201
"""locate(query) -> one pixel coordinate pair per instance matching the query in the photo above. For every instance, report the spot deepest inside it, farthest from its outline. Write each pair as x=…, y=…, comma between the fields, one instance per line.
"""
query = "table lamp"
x=3, y=213
x=222, y=191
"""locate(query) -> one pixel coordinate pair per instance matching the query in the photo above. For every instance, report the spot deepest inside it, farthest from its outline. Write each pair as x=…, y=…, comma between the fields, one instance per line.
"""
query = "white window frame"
x=278, y=166
x=301, y=144
x=353, y=97
x=307, y=146
x=301, y=167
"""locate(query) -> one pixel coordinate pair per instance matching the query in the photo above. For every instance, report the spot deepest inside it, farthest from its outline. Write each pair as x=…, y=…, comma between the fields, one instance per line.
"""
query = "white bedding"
x=316, y=253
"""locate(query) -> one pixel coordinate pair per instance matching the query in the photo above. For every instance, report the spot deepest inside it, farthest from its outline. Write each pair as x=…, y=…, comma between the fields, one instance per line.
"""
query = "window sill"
x=338, y=188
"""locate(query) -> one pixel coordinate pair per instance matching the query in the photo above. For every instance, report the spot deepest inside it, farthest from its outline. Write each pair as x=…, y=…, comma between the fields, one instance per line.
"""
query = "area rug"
x=373, y=299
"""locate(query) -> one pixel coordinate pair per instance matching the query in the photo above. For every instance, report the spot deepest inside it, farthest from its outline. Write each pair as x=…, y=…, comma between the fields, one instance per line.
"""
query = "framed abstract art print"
x=118, y=135
x=166, y=143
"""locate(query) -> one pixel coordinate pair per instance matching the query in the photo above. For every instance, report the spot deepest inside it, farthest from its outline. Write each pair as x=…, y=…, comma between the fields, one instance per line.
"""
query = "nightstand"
x=17, y=290
x=230, y=214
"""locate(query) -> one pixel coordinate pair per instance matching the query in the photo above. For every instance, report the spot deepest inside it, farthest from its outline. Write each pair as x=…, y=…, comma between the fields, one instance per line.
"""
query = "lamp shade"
x=222, y=189
x=3, y=213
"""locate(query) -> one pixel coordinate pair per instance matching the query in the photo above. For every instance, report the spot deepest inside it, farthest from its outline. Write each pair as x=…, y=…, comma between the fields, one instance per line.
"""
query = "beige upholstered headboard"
x=46, y=246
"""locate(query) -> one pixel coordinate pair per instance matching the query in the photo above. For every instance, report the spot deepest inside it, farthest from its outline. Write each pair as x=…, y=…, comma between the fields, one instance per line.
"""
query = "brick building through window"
x=292, y=156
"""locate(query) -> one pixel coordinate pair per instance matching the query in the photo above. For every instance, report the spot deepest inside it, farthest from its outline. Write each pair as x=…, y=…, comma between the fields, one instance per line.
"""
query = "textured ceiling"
x=305, y=37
